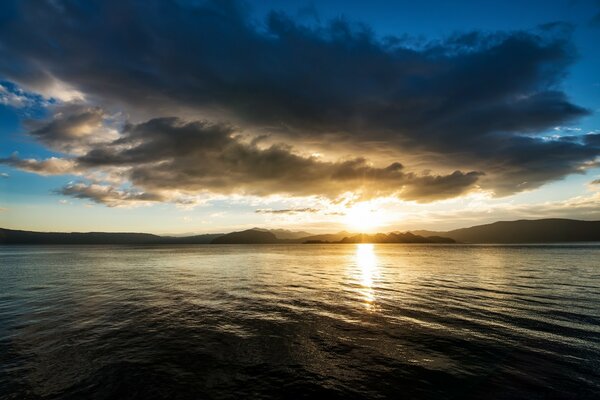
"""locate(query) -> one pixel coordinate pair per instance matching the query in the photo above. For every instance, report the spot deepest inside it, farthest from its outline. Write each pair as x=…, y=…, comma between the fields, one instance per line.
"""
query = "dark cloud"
x=169, y=159
x=73, y=129
x=475, y=101
x=595, y=21
x=170, y=154
x=432, y=188
x=529, y=162
x=592, y=139
x=108, y=195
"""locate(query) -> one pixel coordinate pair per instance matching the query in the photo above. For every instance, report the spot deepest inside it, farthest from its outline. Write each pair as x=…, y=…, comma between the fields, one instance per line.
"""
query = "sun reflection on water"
x=366, y=260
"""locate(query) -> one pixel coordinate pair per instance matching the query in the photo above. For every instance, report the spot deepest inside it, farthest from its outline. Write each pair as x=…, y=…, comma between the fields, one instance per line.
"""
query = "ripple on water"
x=364, y=321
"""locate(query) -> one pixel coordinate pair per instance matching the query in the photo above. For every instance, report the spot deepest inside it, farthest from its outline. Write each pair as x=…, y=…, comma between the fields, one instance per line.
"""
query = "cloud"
x=477, y=101
x=12, y=98
x=73, y=128
x=169, y=155
x=191, y=157
x=50, y=166
x=592, y=139
x=287, y=211
x=108, y=195
x=438, y=187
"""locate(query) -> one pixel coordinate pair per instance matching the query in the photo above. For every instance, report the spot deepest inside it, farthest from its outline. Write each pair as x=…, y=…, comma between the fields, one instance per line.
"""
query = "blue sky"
x=209, y=117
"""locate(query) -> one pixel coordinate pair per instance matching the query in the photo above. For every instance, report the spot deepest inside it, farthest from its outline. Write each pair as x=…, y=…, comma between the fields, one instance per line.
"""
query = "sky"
x=177, y=117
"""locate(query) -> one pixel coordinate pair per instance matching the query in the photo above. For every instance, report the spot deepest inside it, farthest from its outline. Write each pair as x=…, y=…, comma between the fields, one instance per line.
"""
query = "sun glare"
x=366, y=261
x=363, y=217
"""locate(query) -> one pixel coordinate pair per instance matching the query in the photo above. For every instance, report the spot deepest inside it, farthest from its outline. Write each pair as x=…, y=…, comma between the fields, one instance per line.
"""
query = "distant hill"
x=260, y=236
x=505, y=232
x=395, y=238
x=552, y=230
x=196, y=239
x=327, y=237
x=250, y=236
x=9, y=236
x=285, y=234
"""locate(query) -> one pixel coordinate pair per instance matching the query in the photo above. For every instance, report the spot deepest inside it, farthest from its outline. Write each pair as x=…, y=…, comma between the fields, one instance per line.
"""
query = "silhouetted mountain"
x=9, y=236
x=250, y=236
x=523, y=231
x=285, y=234
x=395, y=238
x=196, y=239
x=325, y=238
x=526, y=231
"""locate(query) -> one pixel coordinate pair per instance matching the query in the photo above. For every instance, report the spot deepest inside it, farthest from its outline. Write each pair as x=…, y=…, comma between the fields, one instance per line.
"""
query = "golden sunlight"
x=366, y=261
x=363, y=217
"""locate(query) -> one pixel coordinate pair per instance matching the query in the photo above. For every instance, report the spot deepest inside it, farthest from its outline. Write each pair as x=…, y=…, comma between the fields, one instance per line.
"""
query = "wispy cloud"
x=287, y=211
x=108, y=195
x=50, y=166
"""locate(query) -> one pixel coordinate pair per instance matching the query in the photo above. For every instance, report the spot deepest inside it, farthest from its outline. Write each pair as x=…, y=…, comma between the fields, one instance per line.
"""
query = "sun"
x=363, y=217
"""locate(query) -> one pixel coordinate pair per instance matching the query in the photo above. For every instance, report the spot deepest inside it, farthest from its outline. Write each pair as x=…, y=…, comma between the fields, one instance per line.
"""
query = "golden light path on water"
x=367, y=321
x=366, y=261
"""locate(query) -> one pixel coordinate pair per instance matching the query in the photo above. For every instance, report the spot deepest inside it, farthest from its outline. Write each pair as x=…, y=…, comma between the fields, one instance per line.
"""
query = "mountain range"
x=503, y=232
x=551, y=230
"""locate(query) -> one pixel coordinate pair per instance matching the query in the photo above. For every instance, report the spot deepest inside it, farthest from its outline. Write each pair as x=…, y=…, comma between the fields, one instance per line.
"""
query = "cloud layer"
x=476, y=102
x=168, y=155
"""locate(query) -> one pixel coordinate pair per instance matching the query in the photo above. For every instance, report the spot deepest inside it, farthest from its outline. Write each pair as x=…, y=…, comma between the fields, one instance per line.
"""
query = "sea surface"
x=300, y=321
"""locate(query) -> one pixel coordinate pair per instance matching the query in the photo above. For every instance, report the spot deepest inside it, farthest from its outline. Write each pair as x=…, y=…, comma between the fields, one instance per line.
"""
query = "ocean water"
x=300, y=321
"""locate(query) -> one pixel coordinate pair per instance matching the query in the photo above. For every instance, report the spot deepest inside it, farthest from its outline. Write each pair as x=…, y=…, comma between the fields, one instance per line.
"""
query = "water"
x=343, y=321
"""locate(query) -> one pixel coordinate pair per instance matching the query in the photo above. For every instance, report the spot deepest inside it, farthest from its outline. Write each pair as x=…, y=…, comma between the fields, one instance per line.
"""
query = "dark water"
x=343, y=321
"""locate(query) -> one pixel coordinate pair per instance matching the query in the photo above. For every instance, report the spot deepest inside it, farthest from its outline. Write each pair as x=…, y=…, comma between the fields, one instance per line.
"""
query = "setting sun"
x=282, y=199
x=363, y=217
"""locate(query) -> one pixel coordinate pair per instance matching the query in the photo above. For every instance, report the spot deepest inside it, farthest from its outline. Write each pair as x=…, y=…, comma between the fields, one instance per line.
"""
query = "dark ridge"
x=554, y=230
x=327, y=237
x=285, y=233
x=9, y=236
x=395, y=238
x=250, y=236
x=504, y=232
